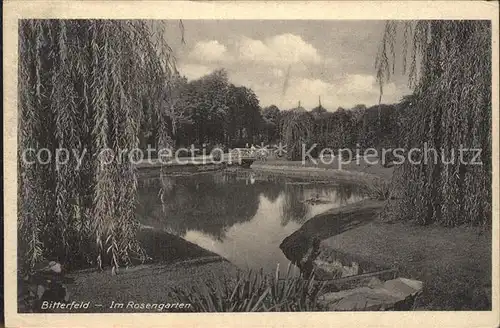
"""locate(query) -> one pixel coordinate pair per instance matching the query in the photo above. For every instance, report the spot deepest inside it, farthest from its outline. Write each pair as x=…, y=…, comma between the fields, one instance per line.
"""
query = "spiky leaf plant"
x=83, y=85
x=253, y=292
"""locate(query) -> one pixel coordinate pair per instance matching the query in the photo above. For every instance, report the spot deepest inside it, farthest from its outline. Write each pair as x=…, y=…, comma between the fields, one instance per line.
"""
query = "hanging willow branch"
x=451, y=109
x=297, y=130
x=82, y=86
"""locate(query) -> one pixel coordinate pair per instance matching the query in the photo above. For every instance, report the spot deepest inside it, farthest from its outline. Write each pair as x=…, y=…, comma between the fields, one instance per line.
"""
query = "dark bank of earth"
x=174, y=263
x=306, y=249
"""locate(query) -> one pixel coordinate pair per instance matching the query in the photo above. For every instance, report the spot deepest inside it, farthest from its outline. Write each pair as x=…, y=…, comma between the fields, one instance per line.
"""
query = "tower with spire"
x=319, y=109
x=300, y=108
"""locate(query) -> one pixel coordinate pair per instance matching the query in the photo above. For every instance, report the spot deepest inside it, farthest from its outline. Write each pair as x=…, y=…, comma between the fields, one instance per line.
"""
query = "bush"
x=378, y=189
x=253, y=293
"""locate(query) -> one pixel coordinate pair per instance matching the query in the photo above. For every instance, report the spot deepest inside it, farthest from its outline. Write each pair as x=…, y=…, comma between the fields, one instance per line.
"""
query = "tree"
x=318, y=111
x=84, y=86
x=271, y=123
x=378, y=127
x=244, y=118
x=451, y=111
x=208, y=106
x=271, y=113
x=176, y=107
x=297, y=131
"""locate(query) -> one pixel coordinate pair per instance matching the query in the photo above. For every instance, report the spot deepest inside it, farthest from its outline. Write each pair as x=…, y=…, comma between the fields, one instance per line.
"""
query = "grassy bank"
x=352, y=172
x=355, y=171
x=453, y=263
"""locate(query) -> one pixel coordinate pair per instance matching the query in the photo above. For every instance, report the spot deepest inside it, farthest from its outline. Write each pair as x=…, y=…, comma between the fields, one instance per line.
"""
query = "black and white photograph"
x=181, y=165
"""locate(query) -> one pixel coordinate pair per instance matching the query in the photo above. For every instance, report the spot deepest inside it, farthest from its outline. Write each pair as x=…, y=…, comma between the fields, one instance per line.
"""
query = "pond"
x=241, y=215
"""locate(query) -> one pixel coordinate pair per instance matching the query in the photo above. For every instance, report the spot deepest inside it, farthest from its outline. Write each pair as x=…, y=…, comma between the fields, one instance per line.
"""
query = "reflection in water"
x=251, y=244
x=293, y=207
x=242, y=216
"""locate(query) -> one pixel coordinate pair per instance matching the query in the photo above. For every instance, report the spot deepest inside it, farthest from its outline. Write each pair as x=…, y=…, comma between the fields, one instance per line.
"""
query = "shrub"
x=253, y=292
x=378, y=189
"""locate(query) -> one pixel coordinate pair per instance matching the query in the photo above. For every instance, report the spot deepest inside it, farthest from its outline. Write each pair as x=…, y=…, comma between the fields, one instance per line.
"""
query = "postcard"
x=294, y=163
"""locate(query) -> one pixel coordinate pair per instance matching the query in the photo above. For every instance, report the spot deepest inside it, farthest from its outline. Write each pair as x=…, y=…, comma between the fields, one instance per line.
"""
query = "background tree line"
x=212, y=111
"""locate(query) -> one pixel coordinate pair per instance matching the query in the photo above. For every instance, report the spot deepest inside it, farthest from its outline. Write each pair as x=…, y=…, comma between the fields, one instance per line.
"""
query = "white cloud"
x=262, y=65
x=194, y=71
x=281, y=49
x=358, y=83
x=307, y=92
x=209, y=51
x=346, y=92
x=276, y=72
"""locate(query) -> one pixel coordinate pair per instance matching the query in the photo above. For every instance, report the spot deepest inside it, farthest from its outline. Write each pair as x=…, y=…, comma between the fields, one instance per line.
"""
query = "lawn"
x=363, y=168
x=454, y=263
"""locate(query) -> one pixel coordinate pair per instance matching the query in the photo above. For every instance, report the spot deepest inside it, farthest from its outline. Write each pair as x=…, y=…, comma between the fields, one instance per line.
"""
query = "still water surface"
x=243, y=216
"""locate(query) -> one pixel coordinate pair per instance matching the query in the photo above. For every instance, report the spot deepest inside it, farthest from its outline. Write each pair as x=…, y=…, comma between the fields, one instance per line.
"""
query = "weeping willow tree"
x=449, y=67
x=297, y=130
x=83, y=85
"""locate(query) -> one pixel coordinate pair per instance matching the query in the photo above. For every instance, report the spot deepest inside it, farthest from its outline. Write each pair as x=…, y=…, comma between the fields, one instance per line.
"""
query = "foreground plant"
x=378, y=189
x=253, y=292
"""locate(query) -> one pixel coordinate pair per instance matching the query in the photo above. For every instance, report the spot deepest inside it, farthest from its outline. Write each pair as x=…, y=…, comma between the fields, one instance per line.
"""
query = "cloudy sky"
x=331, y=59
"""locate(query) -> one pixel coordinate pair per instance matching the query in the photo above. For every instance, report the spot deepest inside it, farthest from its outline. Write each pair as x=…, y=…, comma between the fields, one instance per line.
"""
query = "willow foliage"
x=297, y=132
x=83, y=85
x=449, y=64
